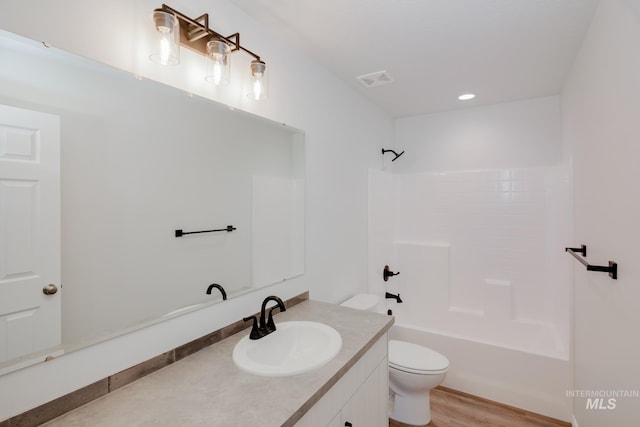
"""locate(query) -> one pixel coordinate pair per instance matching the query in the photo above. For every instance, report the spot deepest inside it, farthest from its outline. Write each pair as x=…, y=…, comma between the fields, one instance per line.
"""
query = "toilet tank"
x=366, y=302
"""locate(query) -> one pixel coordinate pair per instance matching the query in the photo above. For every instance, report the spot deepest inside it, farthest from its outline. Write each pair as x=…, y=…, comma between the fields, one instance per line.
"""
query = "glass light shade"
x=168, y=39
x=259, y=80
x=218, y=62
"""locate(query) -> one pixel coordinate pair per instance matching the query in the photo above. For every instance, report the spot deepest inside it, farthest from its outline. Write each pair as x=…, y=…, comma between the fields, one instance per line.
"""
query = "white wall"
x=601, y=108
x=344, y=134
x=509, y=135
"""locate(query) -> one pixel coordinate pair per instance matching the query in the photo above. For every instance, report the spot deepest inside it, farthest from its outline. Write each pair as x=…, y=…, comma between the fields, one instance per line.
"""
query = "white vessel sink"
x=293, y=348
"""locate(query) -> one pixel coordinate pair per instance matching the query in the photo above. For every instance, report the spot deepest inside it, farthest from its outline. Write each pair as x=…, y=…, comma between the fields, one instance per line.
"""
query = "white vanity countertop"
x=207, y=389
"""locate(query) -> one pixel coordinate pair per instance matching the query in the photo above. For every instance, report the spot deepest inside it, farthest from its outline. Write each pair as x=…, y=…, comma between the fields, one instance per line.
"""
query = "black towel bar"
x=612, y=269
x=180, y=233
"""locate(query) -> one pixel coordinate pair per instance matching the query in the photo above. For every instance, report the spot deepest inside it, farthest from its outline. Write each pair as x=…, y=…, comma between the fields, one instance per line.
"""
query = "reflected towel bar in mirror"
x=180, y=233
x=612, y=269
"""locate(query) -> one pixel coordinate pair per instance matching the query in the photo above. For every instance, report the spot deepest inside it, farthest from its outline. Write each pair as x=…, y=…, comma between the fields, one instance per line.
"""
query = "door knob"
x=50, y=289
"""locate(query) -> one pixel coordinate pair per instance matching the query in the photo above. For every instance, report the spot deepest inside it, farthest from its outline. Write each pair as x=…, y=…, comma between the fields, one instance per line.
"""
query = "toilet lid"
x=415, y=358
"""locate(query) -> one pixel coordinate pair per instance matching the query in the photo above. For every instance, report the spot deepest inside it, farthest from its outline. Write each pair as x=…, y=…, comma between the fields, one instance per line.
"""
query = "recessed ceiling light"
x=466, y=96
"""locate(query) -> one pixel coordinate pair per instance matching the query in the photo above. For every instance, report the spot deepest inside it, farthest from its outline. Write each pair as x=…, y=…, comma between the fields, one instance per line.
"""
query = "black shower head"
x=391, y=151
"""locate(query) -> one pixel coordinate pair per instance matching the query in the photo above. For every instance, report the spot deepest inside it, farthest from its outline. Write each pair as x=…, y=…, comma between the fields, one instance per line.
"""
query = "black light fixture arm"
x=391, y=151
x=198, y=29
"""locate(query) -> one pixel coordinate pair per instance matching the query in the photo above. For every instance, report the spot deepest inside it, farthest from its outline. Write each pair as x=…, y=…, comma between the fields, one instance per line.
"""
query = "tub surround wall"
x=482, y=247
x=483, y=250
x=475, y=216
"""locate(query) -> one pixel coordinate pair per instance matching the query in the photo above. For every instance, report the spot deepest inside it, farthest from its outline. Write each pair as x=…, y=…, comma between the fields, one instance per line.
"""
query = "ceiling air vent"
x=375, y=79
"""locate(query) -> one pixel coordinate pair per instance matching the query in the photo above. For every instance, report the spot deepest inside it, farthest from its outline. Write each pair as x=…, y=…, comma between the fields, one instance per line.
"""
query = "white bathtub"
x=532, y=372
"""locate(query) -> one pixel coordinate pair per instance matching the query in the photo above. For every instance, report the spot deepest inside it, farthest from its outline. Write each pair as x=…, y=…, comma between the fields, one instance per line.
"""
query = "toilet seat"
x=416, y=359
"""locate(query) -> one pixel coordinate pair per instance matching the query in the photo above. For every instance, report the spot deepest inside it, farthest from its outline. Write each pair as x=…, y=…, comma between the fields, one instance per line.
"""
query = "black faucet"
x=392, y=296
x=269, y=326
x=266, y=326
x=220, y=288
x=256, y=333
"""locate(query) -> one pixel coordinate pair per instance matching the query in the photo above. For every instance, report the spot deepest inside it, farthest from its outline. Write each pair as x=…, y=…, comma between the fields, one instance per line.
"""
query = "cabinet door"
x=368, y=406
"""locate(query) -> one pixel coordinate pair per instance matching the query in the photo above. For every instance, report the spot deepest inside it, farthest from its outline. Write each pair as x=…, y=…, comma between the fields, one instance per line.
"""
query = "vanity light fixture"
x=175, y=28
x=218, y=62
x=258, y=80
x=168, y=47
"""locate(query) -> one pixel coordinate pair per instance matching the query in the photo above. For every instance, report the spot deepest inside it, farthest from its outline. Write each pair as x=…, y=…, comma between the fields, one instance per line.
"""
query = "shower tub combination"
x=494, y=351
x=483, y=277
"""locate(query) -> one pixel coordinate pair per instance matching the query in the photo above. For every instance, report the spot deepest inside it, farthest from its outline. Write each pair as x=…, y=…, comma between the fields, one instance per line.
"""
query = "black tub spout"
x=392, y=296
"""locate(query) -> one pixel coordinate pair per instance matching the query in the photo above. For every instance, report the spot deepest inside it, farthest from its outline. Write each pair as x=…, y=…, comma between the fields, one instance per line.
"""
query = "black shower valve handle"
x=386, y=273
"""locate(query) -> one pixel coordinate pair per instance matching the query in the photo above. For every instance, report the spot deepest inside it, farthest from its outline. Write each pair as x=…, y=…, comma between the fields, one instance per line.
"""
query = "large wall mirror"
x=138, y=161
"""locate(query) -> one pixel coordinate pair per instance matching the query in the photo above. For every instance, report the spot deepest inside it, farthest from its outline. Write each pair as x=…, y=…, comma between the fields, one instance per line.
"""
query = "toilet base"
x=414, y=410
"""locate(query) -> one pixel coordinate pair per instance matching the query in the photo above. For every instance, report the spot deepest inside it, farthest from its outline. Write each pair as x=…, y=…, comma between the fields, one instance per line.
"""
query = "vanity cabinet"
x=368, y=406
x=360, y=397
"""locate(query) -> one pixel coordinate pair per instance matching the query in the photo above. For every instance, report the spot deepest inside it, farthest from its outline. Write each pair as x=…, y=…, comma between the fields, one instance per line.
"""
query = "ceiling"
x=435, y=50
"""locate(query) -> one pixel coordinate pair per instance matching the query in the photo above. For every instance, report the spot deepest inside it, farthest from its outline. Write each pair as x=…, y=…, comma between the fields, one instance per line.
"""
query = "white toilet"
x=413, y=370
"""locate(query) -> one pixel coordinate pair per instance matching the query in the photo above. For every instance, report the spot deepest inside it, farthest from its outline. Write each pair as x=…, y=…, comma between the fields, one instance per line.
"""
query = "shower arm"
x=391, y=151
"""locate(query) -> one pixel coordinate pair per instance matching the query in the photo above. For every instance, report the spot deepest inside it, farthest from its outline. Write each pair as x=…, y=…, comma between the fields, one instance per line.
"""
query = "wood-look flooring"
x=451, y=408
